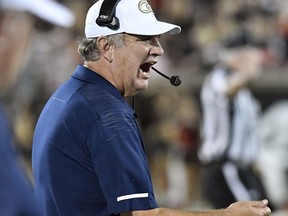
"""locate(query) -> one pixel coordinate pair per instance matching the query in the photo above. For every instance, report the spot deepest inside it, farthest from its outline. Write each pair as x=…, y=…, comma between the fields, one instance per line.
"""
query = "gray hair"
x=88, y=48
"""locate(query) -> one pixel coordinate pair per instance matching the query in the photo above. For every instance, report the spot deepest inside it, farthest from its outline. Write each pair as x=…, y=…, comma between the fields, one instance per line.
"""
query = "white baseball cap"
x=48, y=10
x=135, y=17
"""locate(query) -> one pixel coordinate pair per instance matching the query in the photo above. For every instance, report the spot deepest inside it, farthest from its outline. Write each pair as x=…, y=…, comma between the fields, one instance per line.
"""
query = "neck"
x=103, y=70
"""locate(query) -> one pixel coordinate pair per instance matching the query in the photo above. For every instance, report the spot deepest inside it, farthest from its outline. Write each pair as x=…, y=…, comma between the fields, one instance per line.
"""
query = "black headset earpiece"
x=107, y=15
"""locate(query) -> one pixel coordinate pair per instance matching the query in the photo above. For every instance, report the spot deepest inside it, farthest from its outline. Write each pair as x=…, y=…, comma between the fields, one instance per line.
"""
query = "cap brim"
x=48, y=10
x=155, y=28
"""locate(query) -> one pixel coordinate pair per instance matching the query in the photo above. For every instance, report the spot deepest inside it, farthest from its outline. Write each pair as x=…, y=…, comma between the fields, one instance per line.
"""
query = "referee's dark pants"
x=225, y=182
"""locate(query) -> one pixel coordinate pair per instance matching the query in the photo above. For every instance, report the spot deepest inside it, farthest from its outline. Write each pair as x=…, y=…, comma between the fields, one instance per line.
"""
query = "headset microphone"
x=174, y=80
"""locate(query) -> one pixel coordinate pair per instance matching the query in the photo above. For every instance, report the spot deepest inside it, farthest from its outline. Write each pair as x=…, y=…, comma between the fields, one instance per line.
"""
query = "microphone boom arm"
x=174, y=80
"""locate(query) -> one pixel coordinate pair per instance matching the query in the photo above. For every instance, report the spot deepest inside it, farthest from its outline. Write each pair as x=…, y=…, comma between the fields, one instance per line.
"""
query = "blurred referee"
x=230, y=141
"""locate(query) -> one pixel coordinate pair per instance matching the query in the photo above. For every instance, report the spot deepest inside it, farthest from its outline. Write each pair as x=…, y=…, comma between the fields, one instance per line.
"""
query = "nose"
x=156, y=48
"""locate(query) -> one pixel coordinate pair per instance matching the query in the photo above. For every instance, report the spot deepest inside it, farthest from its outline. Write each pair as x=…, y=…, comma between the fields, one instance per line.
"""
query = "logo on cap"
x=144, y=7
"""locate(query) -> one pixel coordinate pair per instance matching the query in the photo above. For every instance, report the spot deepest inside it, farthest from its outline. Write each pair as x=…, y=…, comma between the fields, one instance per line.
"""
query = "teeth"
x=145, y=74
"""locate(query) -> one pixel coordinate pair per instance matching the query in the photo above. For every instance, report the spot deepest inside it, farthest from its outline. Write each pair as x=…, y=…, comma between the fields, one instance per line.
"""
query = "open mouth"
x=145, y=68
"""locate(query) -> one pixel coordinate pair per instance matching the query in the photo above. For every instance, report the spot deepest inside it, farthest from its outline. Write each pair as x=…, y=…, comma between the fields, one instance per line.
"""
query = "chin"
x=141, y=84
x=143, y=87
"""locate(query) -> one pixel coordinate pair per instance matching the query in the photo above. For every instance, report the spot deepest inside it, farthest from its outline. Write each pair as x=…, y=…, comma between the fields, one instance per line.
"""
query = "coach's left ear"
x=105, y=48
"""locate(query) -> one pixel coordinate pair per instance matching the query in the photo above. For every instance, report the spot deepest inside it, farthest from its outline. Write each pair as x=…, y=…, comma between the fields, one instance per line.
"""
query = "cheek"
x=127, y=62
x=134, y=54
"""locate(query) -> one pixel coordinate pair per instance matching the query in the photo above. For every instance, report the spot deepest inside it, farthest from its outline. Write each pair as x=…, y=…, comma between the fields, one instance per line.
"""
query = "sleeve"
x=16, y=195
x=215, y=117
x=120, y=162
x=219, y=82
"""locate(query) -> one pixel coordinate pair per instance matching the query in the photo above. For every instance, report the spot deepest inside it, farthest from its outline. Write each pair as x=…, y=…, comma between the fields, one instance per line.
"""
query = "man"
x=16, y=25
x=230, y=122
x=88, y=155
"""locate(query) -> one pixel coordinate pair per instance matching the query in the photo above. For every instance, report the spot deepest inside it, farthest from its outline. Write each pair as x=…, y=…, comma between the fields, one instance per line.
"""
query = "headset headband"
x=107, y=15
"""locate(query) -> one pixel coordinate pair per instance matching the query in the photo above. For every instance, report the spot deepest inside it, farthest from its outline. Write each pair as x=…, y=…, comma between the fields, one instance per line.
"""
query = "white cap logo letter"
x=144, y=7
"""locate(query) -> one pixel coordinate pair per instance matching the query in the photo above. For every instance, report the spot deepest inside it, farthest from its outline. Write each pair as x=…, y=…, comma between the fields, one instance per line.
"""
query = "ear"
x=105, y=48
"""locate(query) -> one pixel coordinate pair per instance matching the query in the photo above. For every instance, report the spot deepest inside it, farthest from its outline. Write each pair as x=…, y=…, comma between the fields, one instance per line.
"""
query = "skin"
x=15, y=32
x=252, y=208
x=122, y=68
x=247, y=64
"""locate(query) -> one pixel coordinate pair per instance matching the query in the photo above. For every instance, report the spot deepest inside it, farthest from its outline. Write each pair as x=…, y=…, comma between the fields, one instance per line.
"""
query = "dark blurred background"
x=170, y=117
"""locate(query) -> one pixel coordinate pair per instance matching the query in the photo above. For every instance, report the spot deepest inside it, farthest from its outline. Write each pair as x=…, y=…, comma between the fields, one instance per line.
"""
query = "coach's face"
x=132, y=62
x=15, y=32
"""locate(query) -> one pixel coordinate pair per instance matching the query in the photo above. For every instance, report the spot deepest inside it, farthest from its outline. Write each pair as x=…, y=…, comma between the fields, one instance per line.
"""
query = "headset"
x=108, y=19
x=107, y=15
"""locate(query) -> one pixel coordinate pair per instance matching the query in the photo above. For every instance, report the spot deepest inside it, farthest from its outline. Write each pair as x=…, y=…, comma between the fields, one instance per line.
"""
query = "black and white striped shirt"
x=229, y=125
